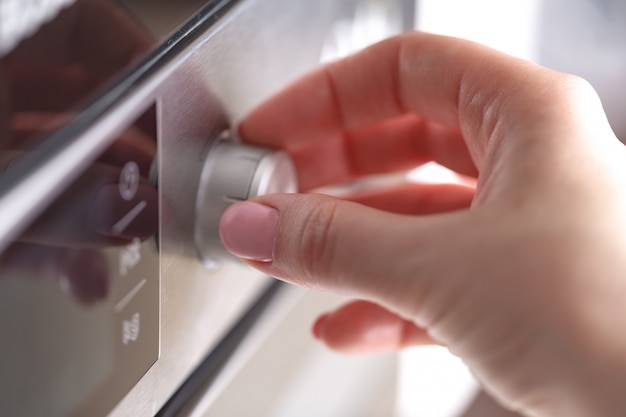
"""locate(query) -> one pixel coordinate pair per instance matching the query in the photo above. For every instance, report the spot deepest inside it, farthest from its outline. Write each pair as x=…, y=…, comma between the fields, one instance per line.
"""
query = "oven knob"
x=234, y=172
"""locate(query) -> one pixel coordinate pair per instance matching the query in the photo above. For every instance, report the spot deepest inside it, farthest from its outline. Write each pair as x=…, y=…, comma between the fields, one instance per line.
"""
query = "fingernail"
x=248, y=230
x=318, y=326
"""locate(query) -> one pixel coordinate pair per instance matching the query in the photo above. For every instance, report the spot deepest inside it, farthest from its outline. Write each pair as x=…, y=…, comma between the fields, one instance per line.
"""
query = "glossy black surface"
x=79, y=289
x=74, y=59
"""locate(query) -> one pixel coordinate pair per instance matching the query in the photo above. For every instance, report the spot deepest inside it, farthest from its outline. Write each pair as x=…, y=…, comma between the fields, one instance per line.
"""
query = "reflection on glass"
x=42, y=81
x=79, y=288
x=110, y=205
x=67, y=59
x=50, y=76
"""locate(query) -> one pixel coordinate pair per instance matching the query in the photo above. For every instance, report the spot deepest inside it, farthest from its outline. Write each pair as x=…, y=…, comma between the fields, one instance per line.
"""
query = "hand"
x=522, y=277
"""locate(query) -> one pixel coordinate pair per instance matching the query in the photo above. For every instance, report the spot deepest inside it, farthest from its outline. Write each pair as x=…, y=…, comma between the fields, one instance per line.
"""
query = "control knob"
x=235, y=172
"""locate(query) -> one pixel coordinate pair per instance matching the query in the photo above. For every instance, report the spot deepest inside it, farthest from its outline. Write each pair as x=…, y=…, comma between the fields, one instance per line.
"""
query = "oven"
x=117, y=157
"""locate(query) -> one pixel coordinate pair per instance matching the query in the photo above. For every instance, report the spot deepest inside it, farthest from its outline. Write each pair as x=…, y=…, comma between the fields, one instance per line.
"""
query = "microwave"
x=117, y=157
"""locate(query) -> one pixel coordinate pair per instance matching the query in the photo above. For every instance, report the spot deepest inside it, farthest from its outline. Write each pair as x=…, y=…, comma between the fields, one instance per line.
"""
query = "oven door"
x=109, y=113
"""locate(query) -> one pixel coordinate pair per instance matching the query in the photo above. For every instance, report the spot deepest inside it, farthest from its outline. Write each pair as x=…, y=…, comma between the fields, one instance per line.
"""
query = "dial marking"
x=123, y=223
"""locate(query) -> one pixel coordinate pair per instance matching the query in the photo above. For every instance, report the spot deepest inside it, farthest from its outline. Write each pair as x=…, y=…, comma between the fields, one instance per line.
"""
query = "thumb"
x=331, y=244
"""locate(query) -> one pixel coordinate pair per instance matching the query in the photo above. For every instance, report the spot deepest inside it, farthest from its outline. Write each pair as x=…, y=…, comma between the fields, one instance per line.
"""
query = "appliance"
x=116, y=159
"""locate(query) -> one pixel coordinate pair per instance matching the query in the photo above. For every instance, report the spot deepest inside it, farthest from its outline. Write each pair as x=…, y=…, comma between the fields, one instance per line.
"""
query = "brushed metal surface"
x=251, y=52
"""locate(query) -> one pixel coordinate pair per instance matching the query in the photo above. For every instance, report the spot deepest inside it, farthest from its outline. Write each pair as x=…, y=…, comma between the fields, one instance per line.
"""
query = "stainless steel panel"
x=253, y=51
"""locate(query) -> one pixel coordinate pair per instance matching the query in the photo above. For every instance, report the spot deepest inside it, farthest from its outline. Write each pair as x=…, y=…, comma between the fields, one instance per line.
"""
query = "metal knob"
x=234, y=172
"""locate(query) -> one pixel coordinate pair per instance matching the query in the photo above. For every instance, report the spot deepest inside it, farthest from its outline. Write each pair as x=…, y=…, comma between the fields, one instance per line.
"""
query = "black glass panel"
x=79, y=289
x=46, y=77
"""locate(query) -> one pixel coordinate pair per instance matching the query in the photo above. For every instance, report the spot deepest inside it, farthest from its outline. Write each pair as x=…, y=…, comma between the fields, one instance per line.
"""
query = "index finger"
x=449, y=81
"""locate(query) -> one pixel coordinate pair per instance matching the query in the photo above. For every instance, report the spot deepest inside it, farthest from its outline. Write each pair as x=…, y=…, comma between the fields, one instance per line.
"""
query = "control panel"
x=114, y=285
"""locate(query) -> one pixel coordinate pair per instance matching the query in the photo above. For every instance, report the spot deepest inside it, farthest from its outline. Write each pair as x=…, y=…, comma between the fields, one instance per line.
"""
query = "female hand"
x=522, y=277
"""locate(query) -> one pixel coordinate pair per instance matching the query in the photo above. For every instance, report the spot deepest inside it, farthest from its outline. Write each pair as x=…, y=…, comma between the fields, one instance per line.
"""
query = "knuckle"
x=572, y=90
x=577, y=84
x=318, y=240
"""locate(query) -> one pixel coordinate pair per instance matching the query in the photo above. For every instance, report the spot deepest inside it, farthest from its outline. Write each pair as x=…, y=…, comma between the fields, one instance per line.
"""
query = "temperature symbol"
x=129, y=180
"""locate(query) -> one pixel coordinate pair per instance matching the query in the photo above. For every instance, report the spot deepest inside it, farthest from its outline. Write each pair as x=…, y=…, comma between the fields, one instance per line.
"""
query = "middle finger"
x=394, y=145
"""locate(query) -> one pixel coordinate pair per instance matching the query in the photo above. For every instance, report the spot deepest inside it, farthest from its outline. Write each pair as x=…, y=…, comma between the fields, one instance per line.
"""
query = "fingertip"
x=362, y=328
x=318, y=327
